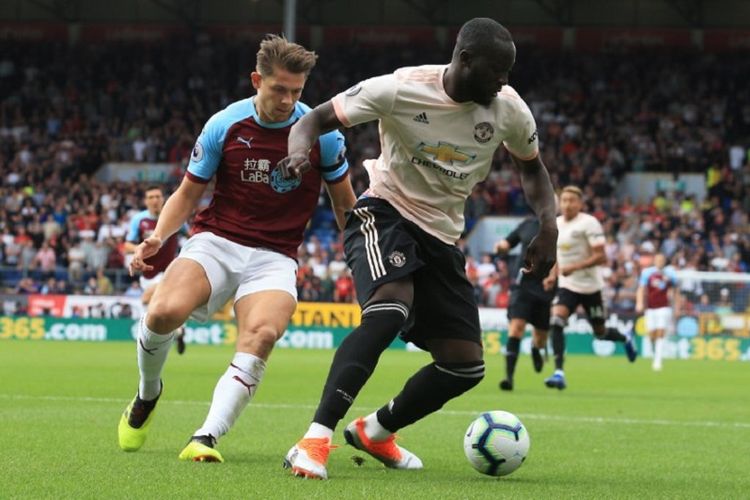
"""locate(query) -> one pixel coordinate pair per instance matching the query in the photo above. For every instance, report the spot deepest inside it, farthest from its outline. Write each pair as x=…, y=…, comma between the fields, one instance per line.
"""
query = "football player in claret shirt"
x=243, y=246
x=657, y=288
x=141, y=226
x=440, y=126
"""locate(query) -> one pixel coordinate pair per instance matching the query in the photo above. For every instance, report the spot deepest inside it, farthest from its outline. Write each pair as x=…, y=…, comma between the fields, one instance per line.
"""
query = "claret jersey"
x=253, y=204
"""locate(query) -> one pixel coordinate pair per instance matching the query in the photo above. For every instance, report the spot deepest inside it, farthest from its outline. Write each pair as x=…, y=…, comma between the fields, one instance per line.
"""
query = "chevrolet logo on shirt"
x=446, y=152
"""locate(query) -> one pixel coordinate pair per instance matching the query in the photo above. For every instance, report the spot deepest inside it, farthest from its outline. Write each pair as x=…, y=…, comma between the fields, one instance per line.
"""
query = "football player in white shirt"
x=580, y=252
x=439, y=129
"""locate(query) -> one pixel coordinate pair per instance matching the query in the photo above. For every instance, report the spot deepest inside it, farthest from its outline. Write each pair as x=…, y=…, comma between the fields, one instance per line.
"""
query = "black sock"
x=613, y=335
x=511, y=356
x=428, y=390
x=558, y=346
x=356, y=358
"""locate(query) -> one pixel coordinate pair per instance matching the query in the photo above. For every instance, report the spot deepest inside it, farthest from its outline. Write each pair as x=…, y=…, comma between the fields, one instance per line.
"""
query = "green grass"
x=618, y=431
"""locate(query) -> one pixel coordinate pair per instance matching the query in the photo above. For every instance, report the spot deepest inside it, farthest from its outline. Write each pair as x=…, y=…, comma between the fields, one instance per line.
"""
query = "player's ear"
x=465, y=57
x=256, y=79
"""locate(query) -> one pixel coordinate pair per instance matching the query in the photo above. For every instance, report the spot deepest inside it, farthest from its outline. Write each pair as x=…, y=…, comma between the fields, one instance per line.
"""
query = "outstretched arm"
x=541, y=254
x=302, y=138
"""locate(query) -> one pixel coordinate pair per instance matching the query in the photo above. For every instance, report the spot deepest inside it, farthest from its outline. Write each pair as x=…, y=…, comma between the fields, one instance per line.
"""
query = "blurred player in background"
x=243, y=246
x=655, y=286
x=580, y=253
x=530, y=301
x=141, y=227
x=439, y=128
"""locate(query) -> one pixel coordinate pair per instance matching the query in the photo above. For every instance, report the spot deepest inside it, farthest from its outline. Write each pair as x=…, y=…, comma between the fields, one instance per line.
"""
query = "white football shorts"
x=658, y=319
x=237, y=270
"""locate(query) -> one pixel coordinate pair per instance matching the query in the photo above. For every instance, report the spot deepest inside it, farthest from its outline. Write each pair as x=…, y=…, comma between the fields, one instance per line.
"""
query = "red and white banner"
x=85, y=306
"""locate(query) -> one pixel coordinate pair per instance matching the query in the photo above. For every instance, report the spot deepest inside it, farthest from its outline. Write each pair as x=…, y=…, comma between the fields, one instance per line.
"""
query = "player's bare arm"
x=549, y=282
x=303, y=135
x=342, y=200
x=597, y=258
x=640, y=299
x=502, y=247
x=541, y=253
x=173, y=216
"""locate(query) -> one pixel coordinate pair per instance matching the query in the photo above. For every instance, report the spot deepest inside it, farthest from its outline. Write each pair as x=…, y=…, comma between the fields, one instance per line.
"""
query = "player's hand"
x=549, y=283
x=542, y=252
x=294, y=165
x=147, y=248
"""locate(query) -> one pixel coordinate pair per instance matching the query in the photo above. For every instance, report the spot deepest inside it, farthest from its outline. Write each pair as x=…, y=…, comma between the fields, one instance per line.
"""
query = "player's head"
x=482, y=59
x=153, y=198
x=571, y=201
x=280, y=73
x=660, y=260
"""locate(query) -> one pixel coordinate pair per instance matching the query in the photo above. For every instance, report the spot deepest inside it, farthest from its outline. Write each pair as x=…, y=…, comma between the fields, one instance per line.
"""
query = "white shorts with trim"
x=235, y=270
x=147, y=283
x=658, y=319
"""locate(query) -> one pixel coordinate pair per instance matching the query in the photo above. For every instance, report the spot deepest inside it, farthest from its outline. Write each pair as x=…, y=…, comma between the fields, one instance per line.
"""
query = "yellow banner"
x=326, y=315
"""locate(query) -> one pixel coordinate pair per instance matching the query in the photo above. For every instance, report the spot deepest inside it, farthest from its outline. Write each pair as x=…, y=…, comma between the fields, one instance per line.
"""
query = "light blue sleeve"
x=333, y=164
x=206, y=154
x=672, y=275
x=133, y=236
x=645, y=275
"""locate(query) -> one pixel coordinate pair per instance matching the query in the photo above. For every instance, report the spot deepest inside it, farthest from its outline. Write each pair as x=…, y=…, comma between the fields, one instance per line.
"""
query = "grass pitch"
x=618, y=431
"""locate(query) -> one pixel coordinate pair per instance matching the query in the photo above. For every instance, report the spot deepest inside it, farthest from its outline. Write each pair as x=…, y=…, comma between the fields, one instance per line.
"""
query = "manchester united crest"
x=483, y=132
x=397, y=259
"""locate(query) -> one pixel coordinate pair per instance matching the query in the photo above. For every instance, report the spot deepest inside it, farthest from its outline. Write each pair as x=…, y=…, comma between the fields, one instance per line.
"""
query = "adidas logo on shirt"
x=422, y=118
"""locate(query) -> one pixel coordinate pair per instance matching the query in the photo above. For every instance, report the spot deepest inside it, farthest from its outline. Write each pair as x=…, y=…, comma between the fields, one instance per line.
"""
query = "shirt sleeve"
x=367, y=101
x=595, y=233
x=206, y=154
x=645, y=275
x=133, y=231
x=524, y=141
x=333, y=164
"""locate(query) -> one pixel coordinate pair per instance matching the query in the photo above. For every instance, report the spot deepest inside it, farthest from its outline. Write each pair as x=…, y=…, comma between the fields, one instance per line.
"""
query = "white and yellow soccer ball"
x=496, y=443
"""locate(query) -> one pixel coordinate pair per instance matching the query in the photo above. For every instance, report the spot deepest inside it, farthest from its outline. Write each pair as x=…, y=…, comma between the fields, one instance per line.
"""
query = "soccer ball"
x=496, y=443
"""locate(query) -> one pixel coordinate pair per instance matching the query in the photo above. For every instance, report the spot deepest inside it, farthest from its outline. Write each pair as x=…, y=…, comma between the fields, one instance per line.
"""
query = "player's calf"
x=428, y=390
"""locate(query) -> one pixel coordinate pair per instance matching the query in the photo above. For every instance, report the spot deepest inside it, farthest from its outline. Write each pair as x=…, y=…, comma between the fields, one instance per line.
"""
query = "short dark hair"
x=152, y=187
x=481, y=33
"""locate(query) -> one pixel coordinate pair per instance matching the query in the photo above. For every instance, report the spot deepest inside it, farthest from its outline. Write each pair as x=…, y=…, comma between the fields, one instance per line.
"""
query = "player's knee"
x=165, y=315
x=385, y=315
x=257, y=338
x=458, y=378
x=558, y=322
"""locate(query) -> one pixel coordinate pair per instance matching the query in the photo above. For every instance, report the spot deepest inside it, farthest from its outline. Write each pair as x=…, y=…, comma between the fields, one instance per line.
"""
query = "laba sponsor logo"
x=73, y=331
x=301, y=339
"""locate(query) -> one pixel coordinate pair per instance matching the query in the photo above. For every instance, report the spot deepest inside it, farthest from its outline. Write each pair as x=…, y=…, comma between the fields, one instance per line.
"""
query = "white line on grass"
x=529, y=416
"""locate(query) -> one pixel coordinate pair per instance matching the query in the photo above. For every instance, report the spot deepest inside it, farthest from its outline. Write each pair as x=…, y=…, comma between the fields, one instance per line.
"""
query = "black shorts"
x=592, y=303
x=381, y=246
x=529, y=307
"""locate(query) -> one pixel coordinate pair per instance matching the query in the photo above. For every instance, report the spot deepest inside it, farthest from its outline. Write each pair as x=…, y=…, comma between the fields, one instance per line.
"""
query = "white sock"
x=152, y=350
x=559, y=372
x=374, y=430
x=319, y=431
x=658, y=347
x=233, y=392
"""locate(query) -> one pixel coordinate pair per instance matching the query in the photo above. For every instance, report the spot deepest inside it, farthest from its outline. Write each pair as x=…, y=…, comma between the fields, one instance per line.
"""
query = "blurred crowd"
x=64, y=111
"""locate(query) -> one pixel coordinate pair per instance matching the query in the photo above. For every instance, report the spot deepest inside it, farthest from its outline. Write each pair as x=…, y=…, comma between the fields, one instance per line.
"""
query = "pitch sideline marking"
x=529, y=416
